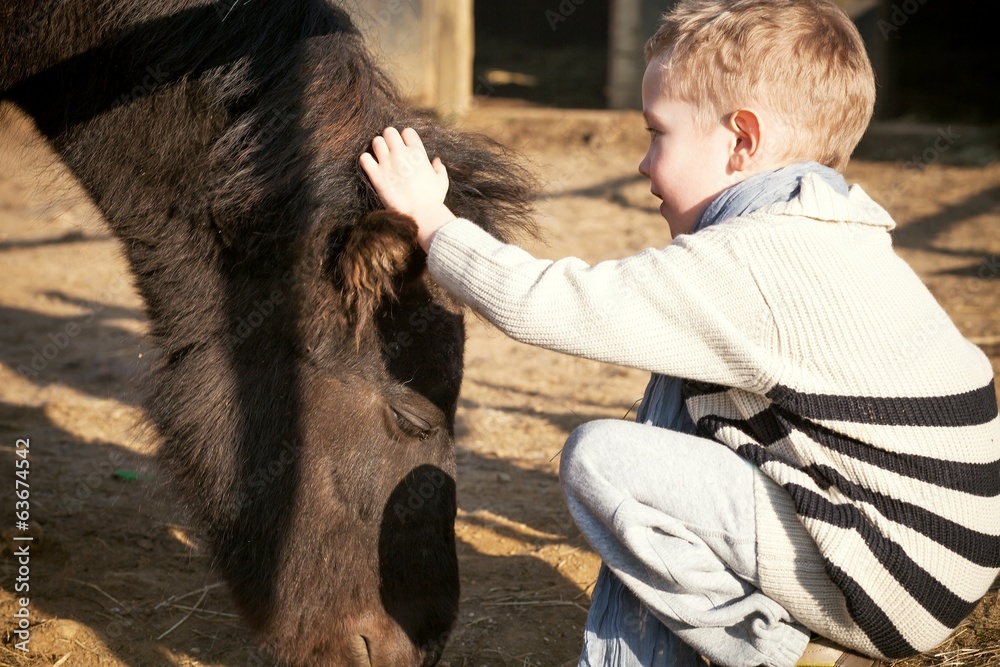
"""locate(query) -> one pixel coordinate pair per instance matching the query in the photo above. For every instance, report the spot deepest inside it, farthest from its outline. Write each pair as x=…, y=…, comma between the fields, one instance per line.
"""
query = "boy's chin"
x=678, y=225
x=666, y=213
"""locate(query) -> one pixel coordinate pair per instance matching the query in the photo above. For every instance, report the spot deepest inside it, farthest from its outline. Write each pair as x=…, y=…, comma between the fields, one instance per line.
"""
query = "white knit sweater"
x=814, y=351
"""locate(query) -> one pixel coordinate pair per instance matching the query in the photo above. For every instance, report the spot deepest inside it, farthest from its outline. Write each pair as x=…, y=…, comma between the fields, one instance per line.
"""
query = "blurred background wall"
x=936, y=60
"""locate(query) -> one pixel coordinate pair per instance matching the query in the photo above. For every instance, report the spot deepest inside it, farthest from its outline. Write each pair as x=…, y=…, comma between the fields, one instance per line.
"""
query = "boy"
x=803, y=461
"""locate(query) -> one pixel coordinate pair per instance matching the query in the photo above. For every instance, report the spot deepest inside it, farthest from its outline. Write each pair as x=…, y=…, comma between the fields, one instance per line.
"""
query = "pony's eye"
x=411, y=424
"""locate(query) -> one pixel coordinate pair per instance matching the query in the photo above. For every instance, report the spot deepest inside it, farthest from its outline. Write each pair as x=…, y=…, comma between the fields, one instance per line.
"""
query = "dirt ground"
x=116, y=575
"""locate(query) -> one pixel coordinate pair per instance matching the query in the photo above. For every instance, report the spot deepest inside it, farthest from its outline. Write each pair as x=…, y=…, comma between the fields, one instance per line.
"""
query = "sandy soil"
x=117, y=577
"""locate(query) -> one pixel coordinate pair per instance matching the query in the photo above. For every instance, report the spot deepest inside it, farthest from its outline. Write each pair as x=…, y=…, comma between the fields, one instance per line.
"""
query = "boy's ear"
x=745, y=125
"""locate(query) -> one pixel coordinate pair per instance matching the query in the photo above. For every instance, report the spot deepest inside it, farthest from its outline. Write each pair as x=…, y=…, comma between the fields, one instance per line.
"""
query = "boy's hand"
x=408, y=182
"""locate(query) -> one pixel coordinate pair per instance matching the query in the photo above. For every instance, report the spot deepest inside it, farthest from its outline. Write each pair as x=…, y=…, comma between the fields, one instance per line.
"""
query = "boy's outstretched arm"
x=408, y=182
x=666, y=311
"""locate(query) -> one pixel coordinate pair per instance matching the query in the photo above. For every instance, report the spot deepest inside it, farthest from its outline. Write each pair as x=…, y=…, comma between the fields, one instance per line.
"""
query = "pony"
x=308, y=369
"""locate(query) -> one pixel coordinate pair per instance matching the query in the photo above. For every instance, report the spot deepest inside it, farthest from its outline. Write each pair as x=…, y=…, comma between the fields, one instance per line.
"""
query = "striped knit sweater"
x=813, y=350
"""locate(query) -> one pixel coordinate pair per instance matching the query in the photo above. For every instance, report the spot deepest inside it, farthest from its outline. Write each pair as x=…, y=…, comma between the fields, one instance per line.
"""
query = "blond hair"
x=803, y=60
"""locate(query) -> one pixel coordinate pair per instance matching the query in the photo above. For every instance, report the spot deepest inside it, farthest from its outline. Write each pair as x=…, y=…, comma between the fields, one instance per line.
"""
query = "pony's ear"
x=377, y=258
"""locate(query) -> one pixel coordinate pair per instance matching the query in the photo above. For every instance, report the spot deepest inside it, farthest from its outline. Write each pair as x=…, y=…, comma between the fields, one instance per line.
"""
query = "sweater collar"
x=764, y=189
x=817, y=200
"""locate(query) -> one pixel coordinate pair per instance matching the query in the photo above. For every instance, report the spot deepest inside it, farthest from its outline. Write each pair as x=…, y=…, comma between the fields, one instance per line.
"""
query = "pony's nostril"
x=360, y=654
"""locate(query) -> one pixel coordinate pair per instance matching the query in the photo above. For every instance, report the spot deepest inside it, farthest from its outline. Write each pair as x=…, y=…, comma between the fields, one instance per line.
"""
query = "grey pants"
x=673, y=517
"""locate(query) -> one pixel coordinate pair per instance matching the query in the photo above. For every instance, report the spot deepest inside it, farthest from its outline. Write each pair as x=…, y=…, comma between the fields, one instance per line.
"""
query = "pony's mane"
x=302, y=98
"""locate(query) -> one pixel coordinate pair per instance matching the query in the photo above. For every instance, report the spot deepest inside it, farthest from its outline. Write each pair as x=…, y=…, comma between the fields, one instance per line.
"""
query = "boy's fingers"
x=368, y=163
x=412, y=139
x=392, y=139
x=380, y=149
x=370, y=167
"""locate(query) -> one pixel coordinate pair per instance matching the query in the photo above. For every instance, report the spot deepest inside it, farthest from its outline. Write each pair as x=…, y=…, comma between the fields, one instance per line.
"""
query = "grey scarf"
x=663, y=403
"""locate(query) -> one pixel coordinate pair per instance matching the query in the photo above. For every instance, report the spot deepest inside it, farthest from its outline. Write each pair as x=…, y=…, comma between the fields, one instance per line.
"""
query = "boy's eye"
x=652, y=131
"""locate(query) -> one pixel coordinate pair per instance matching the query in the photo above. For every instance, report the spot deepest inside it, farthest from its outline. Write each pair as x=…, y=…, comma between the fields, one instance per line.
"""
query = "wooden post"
x=632, y=23
x=425, y=46
x=624, y=52
x=454, y=50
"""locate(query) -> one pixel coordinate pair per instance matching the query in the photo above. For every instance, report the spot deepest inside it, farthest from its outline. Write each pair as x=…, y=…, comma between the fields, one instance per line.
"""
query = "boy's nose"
x=644, y=166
